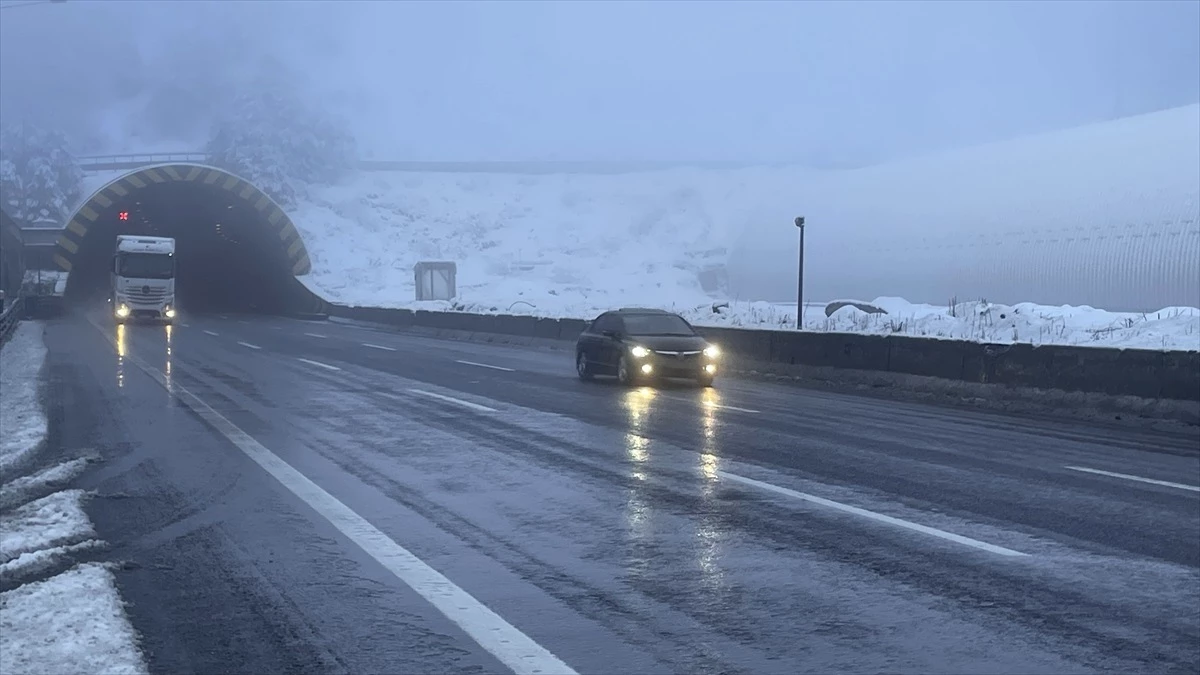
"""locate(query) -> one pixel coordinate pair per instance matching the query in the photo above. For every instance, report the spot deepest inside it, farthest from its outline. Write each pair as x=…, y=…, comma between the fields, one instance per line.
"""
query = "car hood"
x=670, y=343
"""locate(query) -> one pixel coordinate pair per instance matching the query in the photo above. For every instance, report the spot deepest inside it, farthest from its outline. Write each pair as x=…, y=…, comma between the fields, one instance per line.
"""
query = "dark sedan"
x=639, y=345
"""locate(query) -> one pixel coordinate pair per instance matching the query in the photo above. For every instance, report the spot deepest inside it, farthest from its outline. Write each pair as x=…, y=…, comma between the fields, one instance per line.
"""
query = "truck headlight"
x=712, y=352
x=639, y=352
x=123, y=310
x=170, y=312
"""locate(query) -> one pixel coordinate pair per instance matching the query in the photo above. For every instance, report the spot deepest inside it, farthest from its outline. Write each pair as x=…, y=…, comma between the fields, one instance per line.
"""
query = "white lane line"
x=484, y=365
x=318, y=364
x=488, y=629
x=1152, y=481
x=718, y=406
x=247, y=344
x=209, y=332
x=184, y=325
x=456, y=401
x=316, y=335
x=878, y=517
x=722, y=406
x=386, y=349
x=243, y=322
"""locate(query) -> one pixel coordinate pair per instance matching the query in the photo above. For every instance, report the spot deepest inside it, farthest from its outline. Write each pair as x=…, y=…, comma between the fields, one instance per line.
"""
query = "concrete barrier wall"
x=1118, y=372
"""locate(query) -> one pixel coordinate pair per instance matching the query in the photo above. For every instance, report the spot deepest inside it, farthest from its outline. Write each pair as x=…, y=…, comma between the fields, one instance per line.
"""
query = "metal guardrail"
x=137, y=161
x=539, y=168
x=9, y=319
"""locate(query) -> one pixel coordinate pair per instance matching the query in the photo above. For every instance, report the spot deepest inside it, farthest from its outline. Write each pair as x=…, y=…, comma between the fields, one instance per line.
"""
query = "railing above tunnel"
x=124, y=162
x=137, y=161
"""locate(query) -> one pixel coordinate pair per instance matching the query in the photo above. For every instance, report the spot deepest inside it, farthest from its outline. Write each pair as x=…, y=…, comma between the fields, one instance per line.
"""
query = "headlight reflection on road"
x=120, y=355
x=638, y=404
x=710, y=538
x=709, y=462
x=167, y=369
x=637, y=448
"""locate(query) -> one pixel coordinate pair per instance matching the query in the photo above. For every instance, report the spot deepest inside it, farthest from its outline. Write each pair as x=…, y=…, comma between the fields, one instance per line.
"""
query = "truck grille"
x=145, y=294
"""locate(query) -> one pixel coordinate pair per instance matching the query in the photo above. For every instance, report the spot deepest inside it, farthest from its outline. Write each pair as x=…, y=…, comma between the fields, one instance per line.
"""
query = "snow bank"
x=56, y=520
x=74, y=622
x=1172, y=328
x=1169, y=329
x=21, y=416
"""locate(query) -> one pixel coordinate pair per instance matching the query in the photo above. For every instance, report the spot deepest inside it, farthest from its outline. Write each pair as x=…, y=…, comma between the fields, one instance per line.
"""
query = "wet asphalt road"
x=749, y=528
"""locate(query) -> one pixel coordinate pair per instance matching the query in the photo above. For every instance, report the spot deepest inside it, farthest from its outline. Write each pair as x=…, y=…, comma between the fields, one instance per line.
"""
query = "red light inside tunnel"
x=124, y=215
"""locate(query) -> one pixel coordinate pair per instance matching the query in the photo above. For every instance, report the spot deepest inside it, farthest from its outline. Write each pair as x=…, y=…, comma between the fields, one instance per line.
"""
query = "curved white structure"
x=1106, y=215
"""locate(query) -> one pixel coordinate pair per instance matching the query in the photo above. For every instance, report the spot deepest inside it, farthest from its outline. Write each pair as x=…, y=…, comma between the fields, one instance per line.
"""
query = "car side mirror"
x=612, y=334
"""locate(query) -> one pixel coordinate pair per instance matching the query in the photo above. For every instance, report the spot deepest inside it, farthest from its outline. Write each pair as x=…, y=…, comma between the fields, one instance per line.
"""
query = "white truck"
x=143, y=278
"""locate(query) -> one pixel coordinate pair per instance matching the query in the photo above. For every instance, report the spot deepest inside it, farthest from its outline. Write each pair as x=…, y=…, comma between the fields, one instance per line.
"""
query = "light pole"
x=800, y=278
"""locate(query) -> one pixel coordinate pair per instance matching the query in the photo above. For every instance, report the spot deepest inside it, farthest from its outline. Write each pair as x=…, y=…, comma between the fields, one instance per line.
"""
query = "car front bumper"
x=686, y=366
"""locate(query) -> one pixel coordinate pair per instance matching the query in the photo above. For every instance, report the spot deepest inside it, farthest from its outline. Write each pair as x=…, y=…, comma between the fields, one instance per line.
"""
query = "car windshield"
x=146, y=265
x=656, y=324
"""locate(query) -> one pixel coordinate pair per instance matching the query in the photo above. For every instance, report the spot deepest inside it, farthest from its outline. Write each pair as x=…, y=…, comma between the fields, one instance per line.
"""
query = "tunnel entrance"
x=236, y=251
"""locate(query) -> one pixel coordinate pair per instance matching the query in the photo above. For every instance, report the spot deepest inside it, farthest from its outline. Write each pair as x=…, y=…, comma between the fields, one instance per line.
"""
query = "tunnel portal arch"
x=72, y=237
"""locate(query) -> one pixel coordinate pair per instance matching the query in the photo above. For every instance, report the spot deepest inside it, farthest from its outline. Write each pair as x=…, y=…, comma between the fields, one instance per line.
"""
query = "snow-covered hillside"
x=571, y=246
x=574, y=243
x=1106, y=214
x=1103, y=214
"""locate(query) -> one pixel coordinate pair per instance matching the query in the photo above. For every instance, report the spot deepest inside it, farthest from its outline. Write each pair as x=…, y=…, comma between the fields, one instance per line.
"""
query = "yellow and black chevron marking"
x=289, y=239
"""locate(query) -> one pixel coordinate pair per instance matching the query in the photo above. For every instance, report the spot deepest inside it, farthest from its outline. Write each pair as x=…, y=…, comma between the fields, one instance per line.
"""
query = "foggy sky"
x=811, y=82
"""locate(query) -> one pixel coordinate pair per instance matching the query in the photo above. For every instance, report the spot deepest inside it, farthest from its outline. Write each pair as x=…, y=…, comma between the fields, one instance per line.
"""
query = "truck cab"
x=143, y=279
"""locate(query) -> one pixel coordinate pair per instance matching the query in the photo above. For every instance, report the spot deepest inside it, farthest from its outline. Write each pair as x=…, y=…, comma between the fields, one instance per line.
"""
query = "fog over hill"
x=821, y=84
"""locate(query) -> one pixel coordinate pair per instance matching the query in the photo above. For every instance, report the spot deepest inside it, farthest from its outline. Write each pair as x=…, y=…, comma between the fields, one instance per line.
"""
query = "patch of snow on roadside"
x=22, y=489
x=74, y=622
x=47, y=522
x=21, y=416
x=32, y=563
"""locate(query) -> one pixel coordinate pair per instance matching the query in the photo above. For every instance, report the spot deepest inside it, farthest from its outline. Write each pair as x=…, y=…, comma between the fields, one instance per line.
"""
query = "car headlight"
x=639, y=352
x=712, y=352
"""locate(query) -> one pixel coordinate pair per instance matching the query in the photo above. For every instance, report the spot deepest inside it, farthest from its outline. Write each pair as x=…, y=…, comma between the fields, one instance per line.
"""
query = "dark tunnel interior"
x=228, y=257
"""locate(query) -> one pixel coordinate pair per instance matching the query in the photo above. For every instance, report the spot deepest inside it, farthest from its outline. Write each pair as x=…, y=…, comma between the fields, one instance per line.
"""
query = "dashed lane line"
x=871, y=515
x=485, y=365
x=318, y=364
x=455, y=401
x=1139, y=479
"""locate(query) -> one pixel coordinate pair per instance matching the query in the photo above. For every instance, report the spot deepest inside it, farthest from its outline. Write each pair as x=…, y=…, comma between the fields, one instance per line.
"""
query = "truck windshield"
x=146, y=265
